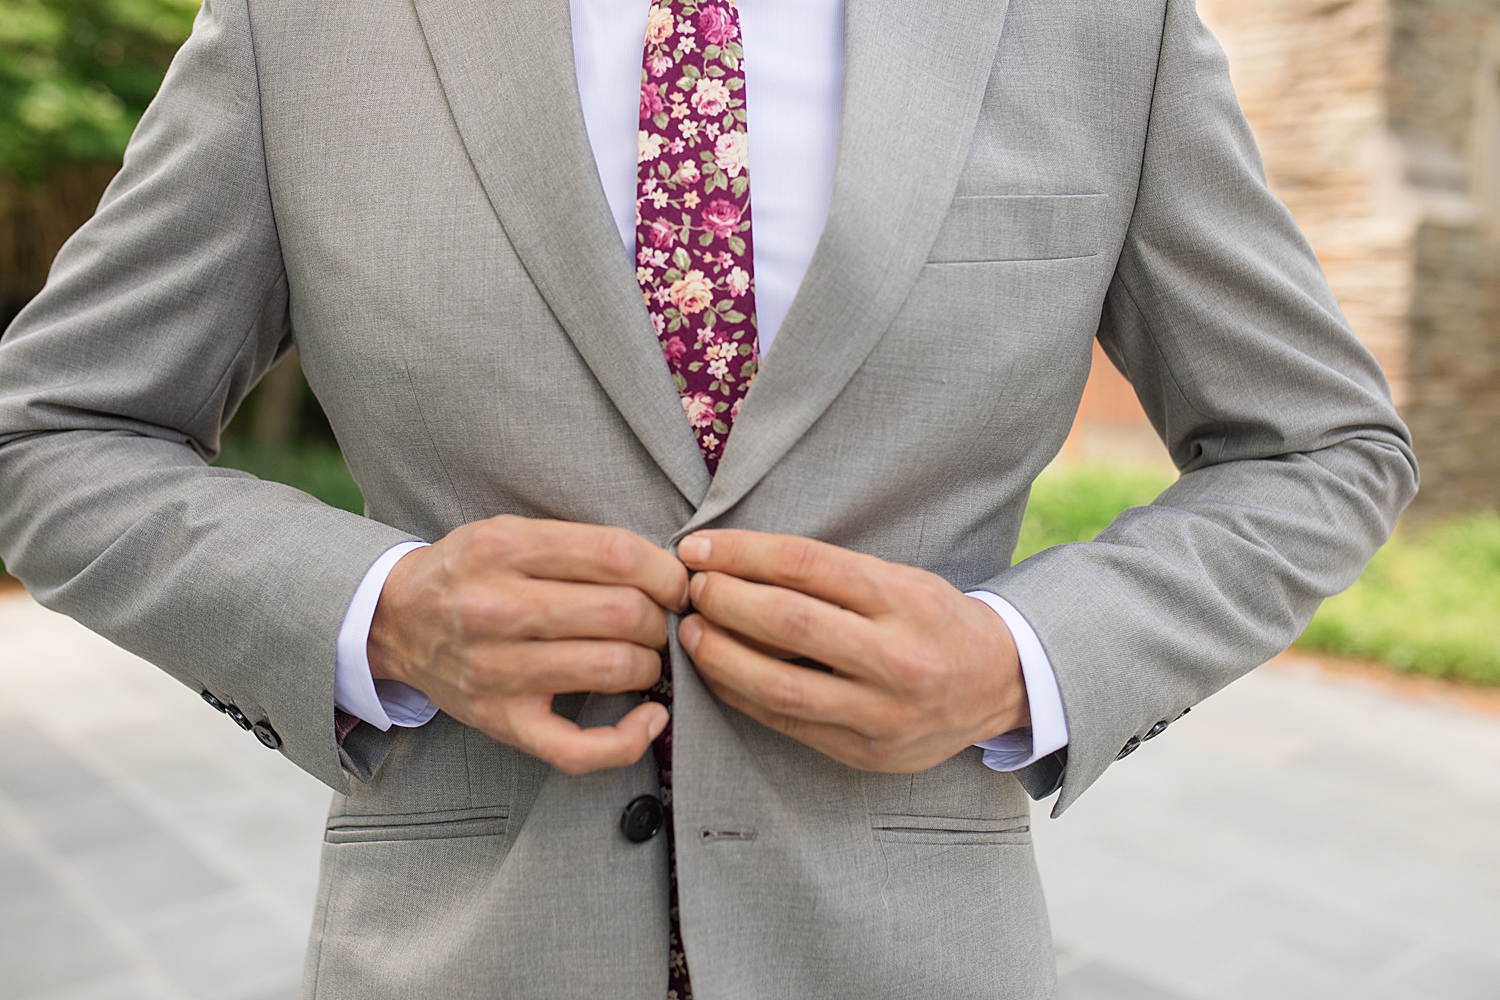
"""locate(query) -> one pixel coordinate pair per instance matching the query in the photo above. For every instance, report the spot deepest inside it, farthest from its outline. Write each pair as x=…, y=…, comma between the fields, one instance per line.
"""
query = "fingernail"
x=689, y=632
x=694, y=549
x=661, y=723
x=695, y=586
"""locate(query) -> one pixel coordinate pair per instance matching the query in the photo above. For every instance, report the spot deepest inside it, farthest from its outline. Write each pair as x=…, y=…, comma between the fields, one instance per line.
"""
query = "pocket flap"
x=1020, y=227
x=903, y=828
x=440, y=825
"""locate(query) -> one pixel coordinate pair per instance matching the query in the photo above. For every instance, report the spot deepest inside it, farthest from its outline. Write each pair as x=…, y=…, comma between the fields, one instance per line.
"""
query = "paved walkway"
x=1298, y=836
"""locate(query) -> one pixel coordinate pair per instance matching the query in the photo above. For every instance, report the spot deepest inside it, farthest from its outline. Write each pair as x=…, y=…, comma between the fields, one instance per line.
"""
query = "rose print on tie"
x=694, y=255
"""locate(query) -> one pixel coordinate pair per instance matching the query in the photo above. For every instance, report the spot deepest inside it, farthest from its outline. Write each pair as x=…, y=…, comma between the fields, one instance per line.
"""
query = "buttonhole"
x=711, y=835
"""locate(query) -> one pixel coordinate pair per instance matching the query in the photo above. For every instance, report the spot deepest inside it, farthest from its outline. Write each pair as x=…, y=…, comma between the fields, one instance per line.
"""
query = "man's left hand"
x=920, y=671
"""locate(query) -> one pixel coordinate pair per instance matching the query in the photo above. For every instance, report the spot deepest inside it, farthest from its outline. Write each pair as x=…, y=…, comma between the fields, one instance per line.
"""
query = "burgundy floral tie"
x=694, y=262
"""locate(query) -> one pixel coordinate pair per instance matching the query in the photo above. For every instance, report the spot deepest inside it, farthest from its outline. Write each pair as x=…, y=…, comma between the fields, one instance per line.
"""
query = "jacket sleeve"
x=1294, y=463
x=158, y=317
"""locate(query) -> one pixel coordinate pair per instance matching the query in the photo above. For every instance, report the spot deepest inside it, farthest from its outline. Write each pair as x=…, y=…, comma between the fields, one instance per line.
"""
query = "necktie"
x=694, y=262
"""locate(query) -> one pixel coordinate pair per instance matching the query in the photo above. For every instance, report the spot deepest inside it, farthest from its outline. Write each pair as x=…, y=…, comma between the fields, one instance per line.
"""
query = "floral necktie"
x=694, y=258
x=695, y=264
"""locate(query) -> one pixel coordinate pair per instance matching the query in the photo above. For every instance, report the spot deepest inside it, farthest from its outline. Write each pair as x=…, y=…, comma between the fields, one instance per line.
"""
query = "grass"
x=1075, y=504
x=318, y=469
x=1429, y=602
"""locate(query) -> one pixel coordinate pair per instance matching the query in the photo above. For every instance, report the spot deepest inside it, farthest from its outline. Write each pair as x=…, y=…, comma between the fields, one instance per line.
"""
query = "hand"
x=502, y=614
x=920, y=670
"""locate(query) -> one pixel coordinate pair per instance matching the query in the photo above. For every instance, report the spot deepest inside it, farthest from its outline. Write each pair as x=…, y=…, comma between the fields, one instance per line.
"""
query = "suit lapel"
x=507, y=70
x=915, y=74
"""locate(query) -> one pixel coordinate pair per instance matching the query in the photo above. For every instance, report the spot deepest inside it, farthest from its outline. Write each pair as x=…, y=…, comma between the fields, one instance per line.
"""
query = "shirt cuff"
x=1048, y=732
x=380, y=703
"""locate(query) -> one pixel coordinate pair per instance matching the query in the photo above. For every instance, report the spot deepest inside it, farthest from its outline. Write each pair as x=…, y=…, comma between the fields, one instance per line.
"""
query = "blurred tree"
x=75, y=77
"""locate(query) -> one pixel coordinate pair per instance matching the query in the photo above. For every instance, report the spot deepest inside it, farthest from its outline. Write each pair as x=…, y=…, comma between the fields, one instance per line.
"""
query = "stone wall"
x=1379, y=126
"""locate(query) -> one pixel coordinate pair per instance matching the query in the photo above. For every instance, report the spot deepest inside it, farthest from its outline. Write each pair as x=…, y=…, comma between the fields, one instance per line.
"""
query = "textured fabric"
x=797, y=83
x=406, y=190
x=695, y=257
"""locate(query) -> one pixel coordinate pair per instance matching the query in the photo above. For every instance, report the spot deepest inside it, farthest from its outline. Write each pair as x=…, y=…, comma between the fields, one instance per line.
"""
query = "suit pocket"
x=899, y=828
x=441, y=825
x=1020, y=227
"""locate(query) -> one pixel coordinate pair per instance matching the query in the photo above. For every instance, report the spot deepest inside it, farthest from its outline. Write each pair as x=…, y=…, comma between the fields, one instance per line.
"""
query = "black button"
x=266, y=735
x=1129, y=747
x=642, y=819
x=1156, y=730
x=238, y=716
x=208, y=696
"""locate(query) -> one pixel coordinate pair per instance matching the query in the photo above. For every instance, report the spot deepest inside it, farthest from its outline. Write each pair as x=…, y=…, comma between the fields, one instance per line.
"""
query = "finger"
x=784, y=689
x=552, y=609
x=789, y=620
x=575, y=750
x=843, y=745
x=579, y=665
x=585, y=553
x=849, y=579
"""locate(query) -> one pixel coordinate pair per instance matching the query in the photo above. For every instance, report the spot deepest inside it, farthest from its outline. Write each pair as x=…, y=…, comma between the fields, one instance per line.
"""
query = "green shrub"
x=312, y=467
x=1075, y=504
x=1429, y=602
x=75, y=76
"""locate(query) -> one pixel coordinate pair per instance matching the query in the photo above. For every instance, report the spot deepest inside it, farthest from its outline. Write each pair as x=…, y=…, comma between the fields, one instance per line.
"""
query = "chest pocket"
x=985, y=228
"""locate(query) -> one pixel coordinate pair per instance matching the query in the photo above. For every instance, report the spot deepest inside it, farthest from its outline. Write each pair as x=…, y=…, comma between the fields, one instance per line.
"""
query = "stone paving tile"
x=1286, y=975
x=46, y=942
x=1100, y=981
x=1298, y=926
x=226, y=950
x=1456, y=977
x=1294, y=837
x=120, y=986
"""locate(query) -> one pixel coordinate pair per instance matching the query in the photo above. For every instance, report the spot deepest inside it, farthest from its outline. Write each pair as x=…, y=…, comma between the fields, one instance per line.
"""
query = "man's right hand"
x=502, y=614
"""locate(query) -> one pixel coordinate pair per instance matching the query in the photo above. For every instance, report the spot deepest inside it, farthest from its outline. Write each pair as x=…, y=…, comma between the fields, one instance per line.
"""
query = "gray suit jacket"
x=404, y=189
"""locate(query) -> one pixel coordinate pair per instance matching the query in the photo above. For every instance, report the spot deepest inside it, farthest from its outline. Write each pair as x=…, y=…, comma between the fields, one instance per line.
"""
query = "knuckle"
x=801, y=561
x=927, y=590
x=500, y=538
x=618, y=553
x=785, y=696
x=571, y=760
x=629, y=613
x=794, y=620
x=916, y=671
x=475, y=681
x=616, y=666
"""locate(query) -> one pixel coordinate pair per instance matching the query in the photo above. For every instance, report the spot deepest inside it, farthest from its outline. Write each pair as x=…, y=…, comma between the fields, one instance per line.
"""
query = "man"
x=905, y=230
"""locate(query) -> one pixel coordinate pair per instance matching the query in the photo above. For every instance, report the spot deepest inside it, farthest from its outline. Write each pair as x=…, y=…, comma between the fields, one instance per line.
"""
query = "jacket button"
x=642, y=819
x=266, y=735
x=1129, y=747
x=213, y=702
x=239, y=717
x=1156, y=730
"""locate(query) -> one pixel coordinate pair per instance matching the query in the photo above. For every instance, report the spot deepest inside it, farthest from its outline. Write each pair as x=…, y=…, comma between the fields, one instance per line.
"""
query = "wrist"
x=384, y=649
x=1002, y=658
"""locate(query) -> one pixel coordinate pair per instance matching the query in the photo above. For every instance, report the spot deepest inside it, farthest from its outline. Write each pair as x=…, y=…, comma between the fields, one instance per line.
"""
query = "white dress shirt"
x=794, y=87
